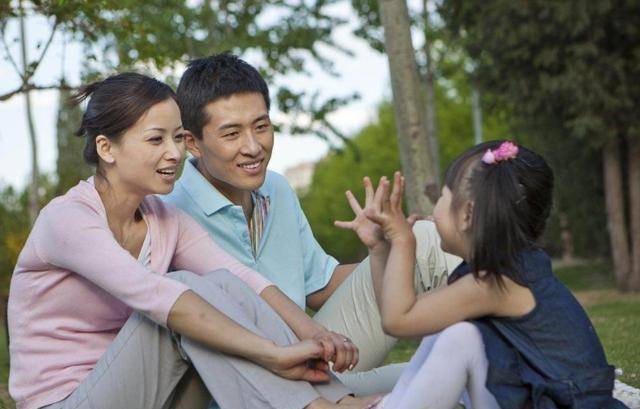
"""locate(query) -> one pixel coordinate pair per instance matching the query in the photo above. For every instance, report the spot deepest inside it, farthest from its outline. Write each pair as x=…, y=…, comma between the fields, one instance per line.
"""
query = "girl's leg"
x=235, y=382
x=456, y=362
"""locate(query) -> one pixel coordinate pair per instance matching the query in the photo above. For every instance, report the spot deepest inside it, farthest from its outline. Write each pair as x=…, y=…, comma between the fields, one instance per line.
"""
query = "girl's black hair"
x=115, y=105
x=511, y=203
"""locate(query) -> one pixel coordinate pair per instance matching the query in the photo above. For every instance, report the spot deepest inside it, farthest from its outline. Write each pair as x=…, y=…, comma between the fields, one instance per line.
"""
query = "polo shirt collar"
x=204, y=194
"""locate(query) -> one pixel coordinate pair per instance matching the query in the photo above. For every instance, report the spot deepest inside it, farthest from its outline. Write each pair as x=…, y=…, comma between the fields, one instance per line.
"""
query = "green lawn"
x=615, y=316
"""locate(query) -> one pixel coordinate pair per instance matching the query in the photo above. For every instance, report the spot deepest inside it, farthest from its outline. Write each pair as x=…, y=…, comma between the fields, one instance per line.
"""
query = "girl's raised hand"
x=369, y=232
x=386, y=209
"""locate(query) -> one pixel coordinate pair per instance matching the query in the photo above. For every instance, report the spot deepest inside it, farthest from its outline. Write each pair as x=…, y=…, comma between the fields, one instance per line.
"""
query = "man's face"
x=236, y=144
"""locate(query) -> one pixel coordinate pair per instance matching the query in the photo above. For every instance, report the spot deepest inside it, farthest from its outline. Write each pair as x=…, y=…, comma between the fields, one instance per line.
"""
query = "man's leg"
x=352, y=310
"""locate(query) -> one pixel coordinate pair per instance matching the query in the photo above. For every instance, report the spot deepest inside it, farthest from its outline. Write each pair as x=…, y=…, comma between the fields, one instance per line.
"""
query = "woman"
x=96, y=321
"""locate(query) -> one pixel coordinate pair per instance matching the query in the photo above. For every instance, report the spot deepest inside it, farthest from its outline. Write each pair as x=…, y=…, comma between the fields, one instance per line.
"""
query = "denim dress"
x=551, y=357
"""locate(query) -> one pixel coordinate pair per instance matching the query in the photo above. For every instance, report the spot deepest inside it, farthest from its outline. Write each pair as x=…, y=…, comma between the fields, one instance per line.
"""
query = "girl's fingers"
x=353, y=202
x=386, y=193
x=378, y=195
x=396, y=192
x=343, y=225
x=374, y=215
x=368, y=191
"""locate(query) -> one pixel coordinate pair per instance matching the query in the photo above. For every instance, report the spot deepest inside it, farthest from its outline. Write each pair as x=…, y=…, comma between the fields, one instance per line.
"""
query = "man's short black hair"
x=208, y=79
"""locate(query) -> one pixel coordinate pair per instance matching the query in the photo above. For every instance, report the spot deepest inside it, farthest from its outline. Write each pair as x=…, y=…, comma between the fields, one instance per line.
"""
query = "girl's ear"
x=104, y=147
x=466, y=216
x=191, y=143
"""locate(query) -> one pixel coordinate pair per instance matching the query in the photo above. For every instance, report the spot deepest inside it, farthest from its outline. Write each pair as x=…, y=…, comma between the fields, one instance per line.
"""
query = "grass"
x=615, y=316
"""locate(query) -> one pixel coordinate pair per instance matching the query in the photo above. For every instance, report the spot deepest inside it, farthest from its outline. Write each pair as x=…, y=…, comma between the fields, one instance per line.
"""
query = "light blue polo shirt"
x=288, y=254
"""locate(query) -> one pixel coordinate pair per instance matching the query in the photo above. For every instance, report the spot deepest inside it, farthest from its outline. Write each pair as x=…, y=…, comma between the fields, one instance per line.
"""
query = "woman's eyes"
x=179, y=137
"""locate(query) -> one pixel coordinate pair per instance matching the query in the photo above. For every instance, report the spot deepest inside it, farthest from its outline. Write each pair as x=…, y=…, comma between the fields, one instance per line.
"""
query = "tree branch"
x=30, y=87
x=6, y=50
x=46, y=47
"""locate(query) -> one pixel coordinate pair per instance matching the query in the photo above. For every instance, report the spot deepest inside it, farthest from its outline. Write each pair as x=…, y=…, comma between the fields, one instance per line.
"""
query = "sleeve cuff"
x=322, y=281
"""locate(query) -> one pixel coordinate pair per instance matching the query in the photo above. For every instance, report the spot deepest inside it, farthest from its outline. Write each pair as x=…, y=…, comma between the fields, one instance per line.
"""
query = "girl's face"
x=145, y=159
x=452, y=225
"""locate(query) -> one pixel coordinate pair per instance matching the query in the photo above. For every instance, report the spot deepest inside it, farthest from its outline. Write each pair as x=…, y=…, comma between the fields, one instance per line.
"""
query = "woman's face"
x=147, y=156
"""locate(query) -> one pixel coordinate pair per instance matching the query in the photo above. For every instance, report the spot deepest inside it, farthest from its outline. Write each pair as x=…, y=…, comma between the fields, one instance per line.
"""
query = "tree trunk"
x=413, y=141
x=477, y=113
x=430, y=113
x=614, y=196
x=633, y=143
x=34, y=202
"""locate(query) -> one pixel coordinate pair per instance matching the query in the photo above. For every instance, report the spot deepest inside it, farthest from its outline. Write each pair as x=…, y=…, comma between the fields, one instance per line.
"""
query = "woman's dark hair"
x=209, y=79
x=115, y=105
x=511, y=203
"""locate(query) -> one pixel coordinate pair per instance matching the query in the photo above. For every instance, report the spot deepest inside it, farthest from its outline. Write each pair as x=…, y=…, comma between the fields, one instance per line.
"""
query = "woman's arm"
x=199, y=253
x=336, y=347
x=193, y=317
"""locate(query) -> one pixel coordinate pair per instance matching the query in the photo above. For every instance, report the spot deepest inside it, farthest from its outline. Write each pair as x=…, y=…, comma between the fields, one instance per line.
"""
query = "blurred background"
x=365, y=87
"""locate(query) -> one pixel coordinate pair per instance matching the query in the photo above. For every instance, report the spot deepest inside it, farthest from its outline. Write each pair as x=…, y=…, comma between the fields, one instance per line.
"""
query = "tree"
x=377, y=144
x=70, y=166
x=569, y=70
x=413, y=140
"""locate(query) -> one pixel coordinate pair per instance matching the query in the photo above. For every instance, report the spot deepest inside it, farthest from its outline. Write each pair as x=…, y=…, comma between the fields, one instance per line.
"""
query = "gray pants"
x=352, y=311
x=144, y=365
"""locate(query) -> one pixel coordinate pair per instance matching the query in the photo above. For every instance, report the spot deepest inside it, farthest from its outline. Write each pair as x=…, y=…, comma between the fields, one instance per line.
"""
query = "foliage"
x=567, y=74
x=565, y=68
x=377, y=144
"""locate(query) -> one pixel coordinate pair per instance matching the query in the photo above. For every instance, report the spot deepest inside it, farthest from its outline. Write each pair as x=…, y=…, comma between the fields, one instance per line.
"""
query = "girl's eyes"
x=179, y=137
x=155, y=139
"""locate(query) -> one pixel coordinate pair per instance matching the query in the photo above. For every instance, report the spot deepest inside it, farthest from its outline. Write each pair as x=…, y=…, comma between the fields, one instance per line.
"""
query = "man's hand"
x=337, y=349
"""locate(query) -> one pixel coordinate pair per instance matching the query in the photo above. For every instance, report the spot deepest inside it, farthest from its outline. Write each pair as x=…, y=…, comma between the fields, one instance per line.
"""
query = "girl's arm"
x=403, y=314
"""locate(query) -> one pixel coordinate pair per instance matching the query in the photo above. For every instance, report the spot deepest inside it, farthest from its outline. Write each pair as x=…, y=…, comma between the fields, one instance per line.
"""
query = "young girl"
x=504, y=330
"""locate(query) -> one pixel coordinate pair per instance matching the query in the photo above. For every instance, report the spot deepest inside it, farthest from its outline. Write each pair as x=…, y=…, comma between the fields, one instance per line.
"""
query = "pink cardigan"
x=74, y=287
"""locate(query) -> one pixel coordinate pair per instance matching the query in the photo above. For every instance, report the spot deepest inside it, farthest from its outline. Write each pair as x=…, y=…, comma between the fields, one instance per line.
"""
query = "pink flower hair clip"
x=506, y=151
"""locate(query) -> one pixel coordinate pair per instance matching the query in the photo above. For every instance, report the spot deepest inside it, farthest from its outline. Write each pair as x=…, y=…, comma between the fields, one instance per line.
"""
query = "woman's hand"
x=368, y=232
x=385, y=210
x=299, y=361
x=338, y=349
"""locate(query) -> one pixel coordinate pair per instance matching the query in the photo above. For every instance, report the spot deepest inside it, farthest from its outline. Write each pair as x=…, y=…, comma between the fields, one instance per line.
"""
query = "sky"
x=366, y=72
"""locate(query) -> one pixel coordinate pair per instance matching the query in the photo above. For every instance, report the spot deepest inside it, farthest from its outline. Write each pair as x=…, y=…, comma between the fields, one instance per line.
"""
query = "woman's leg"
x=143, y=365
x=447, y=364
x=235, y=382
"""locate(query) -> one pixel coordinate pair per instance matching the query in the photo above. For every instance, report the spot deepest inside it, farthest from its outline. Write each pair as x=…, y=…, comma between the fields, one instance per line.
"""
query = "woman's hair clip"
x=506, y=151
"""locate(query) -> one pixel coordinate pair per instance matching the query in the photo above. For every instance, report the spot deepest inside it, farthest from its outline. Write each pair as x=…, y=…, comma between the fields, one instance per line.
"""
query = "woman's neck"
x=120, y=204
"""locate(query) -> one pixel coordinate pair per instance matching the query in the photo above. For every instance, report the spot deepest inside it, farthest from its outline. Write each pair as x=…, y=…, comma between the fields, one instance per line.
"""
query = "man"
x=255, y=215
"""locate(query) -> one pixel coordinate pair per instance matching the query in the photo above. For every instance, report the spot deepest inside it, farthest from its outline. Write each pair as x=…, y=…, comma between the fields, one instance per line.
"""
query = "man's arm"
x=316, y=300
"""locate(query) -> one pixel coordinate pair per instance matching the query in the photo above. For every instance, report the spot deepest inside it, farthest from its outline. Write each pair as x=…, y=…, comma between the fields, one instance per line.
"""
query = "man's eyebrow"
x=233, y=125
x=261, y=118
x=162, y=129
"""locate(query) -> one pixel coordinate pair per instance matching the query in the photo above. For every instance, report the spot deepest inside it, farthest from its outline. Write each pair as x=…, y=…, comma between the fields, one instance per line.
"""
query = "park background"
x=560, y=77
